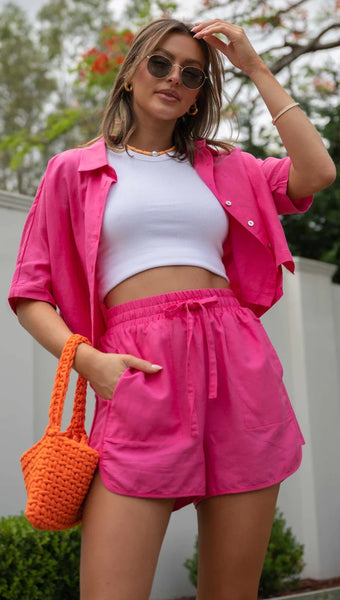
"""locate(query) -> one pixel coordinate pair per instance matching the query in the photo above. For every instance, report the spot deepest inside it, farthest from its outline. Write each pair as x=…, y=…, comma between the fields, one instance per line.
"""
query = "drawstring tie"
x=189, y=306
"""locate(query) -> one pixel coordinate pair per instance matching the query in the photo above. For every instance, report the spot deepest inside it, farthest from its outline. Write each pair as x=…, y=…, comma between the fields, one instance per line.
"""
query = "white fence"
x=304, y=327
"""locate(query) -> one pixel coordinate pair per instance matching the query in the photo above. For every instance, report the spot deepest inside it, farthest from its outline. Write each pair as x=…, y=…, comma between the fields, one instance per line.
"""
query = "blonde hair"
x=119, y=120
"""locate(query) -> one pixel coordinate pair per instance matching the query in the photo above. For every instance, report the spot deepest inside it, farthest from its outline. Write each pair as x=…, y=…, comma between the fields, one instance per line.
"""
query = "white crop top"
x=159, y=213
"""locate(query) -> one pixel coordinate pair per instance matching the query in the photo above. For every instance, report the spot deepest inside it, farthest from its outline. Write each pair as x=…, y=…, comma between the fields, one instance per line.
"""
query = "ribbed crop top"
x=159, y=213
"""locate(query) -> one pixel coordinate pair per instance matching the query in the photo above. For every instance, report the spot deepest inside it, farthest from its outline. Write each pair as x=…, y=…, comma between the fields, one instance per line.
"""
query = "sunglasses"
x=160, y=66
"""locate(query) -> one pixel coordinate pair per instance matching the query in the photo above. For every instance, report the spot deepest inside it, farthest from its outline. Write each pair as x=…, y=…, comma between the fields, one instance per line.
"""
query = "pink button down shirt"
x=58, y=251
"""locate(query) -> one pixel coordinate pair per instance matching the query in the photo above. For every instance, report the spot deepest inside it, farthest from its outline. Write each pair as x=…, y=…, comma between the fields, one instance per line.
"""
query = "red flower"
x=108, y=43
x=128, y=37
x=91, y=52
x=100, y=64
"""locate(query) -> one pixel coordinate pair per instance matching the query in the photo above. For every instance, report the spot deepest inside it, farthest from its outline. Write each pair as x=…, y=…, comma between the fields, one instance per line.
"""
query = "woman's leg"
x=234, y=531
x=121, y=541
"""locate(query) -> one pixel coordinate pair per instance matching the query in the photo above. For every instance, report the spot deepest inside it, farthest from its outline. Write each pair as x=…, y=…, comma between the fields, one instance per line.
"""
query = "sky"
x=32, y=6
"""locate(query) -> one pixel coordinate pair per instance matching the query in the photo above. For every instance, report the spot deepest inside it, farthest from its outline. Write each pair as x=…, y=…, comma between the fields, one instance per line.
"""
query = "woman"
x=164, y=251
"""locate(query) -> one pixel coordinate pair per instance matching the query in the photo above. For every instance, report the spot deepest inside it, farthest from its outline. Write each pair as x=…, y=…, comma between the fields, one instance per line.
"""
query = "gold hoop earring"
x=128, y=87
x=193, y=110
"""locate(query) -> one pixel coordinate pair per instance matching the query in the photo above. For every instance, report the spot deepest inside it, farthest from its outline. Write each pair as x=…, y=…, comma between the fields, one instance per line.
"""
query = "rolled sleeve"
x=276, y=172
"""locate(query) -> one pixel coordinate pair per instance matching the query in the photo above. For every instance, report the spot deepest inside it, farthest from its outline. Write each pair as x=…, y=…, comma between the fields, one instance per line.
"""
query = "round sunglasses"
x=160, y=66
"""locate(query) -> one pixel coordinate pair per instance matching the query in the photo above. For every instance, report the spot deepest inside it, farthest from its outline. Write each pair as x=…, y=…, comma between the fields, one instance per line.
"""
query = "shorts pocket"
x=141, y=409
x=260, y=390
x=266, y=402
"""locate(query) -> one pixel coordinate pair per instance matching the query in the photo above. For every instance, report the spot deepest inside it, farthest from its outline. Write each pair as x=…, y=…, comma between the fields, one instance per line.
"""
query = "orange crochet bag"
x=59, y=468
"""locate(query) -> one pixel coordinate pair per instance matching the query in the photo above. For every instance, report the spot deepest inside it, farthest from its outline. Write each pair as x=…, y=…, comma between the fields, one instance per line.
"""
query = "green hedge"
x=38, y=565
x=283, y=562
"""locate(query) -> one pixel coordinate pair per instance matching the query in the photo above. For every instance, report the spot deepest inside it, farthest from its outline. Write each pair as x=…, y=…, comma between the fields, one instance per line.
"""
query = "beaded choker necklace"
x=153, y=153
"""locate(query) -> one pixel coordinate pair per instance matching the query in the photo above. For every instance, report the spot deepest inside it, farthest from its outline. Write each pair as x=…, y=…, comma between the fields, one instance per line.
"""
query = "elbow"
x=306, y=182
x=320, y=179
x=326, y=176
x=332, y=174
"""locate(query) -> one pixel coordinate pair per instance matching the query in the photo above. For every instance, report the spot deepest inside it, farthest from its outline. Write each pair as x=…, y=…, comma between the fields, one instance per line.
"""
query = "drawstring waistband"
x=190, y=306
x=154, y=305
x=193, y=305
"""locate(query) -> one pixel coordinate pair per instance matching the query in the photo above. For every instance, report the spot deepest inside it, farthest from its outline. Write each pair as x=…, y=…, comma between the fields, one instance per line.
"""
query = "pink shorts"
x=215, y=420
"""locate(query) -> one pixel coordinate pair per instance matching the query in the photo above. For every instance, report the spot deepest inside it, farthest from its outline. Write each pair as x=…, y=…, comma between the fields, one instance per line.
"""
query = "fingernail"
x=156, y=367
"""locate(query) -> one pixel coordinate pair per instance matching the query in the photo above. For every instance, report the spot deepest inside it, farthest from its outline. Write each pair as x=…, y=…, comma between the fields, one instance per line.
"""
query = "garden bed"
x=306, y=586
x=313, y=585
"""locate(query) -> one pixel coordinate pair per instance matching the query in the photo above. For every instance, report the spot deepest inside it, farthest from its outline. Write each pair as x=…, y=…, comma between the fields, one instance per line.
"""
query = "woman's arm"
x=102, y=370
x=312, y=168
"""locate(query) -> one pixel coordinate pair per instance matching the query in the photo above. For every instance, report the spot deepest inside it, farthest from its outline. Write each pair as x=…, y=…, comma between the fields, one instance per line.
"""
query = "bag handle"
x=76, y=429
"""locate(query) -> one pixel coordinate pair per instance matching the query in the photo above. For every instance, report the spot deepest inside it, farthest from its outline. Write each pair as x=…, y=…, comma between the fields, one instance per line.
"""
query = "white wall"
x=16, y=365
x=304, y=327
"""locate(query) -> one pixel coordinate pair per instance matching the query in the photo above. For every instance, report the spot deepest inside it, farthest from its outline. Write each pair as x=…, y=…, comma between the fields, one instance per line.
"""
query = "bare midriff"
x=162, y=280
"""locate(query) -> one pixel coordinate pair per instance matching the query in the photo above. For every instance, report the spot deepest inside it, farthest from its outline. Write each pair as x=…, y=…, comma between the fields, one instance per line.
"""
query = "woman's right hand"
x=100, y=369
x=104, y=370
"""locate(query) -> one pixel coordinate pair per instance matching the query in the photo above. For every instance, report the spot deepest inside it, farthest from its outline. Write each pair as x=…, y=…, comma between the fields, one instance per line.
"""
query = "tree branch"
x=329, y=28
x=284, y=11
x=240, y=16
x=298, y=50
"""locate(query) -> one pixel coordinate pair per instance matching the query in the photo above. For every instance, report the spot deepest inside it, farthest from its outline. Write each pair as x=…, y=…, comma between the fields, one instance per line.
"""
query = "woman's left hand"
x=238, y=49
x=312, y=169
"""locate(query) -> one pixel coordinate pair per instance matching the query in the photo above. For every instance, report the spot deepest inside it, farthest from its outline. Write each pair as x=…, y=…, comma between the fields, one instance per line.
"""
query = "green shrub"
x=38, y=565
x=284, y=559
x=192, y=565
x=283, y=562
